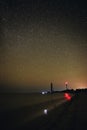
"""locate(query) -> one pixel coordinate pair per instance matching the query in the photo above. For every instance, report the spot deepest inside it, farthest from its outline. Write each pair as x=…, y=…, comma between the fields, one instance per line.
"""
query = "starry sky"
x=43, y=41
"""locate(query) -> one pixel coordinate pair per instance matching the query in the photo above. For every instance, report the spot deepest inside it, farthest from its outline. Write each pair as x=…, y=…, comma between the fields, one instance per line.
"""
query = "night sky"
x=43, y=41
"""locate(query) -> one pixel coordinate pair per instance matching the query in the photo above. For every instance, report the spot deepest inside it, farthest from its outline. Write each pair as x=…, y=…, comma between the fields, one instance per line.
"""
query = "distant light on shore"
x=67, y=96
x=44, y=92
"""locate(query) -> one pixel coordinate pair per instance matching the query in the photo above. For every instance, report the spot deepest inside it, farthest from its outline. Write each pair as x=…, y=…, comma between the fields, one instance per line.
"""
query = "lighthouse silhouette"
x=51, y=87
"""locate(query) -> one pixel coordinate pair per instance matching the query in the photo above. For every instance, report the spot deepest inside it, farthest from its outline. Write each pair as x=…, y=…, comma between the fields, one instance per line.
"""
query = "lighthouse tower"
x=66, y=84
x=51, y=87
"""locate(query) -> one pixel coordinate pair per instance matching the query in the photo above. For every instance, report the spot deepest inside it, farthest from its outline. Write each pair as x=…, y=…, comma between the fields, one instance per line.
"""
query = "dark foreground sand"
x=71, y=115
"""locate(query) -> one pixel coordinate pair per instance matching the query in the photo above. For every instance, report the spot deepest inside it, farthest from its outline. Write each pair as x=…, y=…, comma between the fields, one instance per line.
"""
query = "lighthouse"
x=66, y=84
x=51, y=87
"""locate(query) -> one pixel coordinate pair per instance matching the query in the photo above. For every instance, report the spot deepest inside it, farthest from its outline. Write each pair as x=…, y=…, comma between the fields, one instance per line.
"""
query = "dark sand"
x=70, y=115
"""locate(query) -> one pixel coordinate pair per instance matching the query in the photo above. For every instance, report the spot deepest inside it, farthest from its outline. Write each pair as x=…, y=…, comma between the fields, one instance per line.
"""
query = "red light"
x=67, y=96
x=66, y=82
